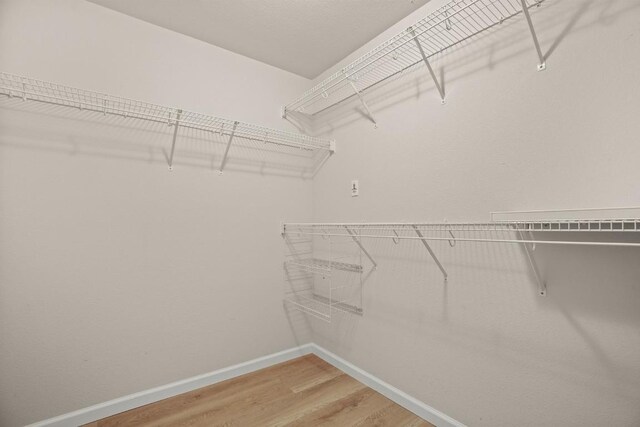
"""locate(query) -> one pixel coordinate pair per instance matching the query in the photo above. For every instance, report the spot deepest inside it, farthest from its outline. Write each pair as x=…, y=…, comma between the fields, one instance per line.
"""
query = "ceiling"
x=305, y=37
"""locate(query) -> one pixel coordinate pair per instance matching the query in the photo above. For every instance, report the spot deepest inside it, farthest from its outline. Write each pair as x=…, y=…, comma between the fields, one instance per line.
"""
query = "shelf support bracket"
x=359, y=243
x=175, y=135
x=226, y=151
x=426, y=61
x=525, y=10
x=363, y=102
x=433, y=255
x=542, y=285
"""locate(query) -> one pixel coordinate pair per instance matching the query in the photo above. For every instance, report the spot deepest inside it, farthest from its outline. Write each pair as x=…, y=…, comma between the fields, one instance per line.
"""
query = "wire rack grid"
x=446, y=27
x=507, y=231
x=319, y=281
x=30, y=89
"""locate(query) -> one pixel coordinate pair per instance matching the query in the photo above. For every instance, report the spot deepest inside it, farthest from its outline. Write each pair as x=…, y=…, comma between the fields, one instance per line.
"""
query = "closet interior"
x=377, y=135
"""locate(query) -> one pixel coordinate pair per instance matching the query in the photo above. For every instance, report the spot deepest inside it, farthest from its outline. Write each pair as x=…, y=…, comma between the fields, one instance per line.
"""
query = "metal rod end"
x=332, y=146
x=443, y=101
x=170, y=168
x=220, y=172
x=543, y=293
x=542, y=67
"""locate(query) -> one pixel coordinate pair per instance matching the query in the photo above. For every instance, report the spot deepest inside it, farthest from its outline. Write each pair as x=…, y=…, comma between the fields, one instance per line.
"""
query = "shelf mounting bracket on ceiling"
x=426, y=61
x=542, y=285
x=175, y=135
x=359, y=243
x=362, y=101
x=226, y=151
x=525, y=9
x=433, y=255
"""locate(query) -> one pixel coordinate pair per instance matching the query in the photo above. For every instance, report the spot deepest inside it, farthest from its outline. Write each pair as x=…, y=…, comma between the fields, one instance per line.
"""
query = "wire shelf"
x=323, y=276
x=316, y=265
x=499, y=232
x=586, y=225
x=614, y=232
x=319, y=306
x=448, y=26
x=29, y=89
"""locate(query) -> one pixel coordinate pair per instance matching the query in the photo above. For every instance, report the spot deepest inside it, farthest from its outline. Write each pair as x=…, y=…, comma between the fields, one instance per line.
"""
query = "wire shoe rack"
x=315, y=265
x=323, y=277
x=448, y=26
x=29, y=89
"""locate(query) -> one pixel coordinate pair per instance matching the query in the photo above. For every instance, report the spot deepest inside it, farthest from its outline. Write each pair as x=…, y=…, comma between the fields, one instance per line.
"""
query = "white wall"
x=115, y=274
x=484, y=348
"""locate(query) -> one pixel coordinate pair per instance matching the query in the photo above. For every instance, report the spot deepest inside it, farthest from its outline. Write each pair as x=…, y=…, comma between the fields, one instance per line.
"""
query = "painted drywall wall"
x=484, y=348
x=117, y=275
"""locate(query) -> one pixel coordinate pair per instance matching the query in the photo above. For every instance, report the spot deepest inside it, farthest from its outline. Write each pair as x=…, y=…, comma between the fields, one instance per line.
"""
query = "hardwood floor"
x=302, y=392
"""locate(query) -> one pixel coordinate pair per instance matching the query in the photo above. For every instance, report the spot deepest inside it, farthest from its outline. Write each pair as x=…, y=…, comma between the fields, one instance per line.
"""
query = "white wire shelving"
x=395, y=230
x=320, y=281
x=323, y=265
x=616, y=217
x=448, y=26
x=319, y=306
x=522, y=232
x=32, y=90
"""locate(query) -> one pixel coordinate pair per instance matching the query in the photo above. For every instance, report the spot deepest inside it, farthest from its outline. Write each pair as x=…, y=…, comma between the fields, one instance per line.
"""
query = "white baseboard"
x=414, y=405
x=112, y=407
x=116, y=406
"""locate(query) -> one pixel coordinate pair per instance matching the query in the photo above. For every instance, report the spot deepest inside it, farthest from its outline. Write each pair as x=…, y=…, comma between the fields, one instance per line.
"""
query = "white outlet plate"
x=355, y=188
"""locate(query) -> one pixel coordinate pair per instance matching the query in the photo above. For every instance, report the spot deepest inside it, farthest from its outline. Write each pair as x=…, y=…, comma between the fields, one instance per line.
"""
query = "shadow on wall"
x=48, y=127
x=588, y=286
x=553, y=22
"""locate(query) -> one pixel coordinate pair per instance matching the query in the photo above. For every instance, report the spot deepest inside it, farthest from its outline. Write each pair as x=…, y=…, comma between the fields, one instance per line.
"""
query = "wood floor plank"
x=302, y=392
x=391, y=415
x=214, y=396
x=314, y=399
x=345, y=411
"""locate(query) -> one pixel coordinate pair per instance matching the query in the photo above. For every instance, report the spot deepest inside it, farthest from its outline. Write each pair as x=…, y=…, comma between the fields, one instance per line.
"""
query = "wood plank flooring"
x=302, y=392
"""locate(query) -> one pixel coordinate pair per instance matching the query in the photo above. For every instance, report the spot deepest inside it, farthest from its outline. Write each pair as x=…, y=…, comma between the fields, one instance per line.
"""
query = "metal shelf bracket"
x=175, y=135
x=363, y=102
x=226, y=151
x=359, y=243
x=433, y=255
x=426, y=61
x=542, y=285
x=525, y=10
